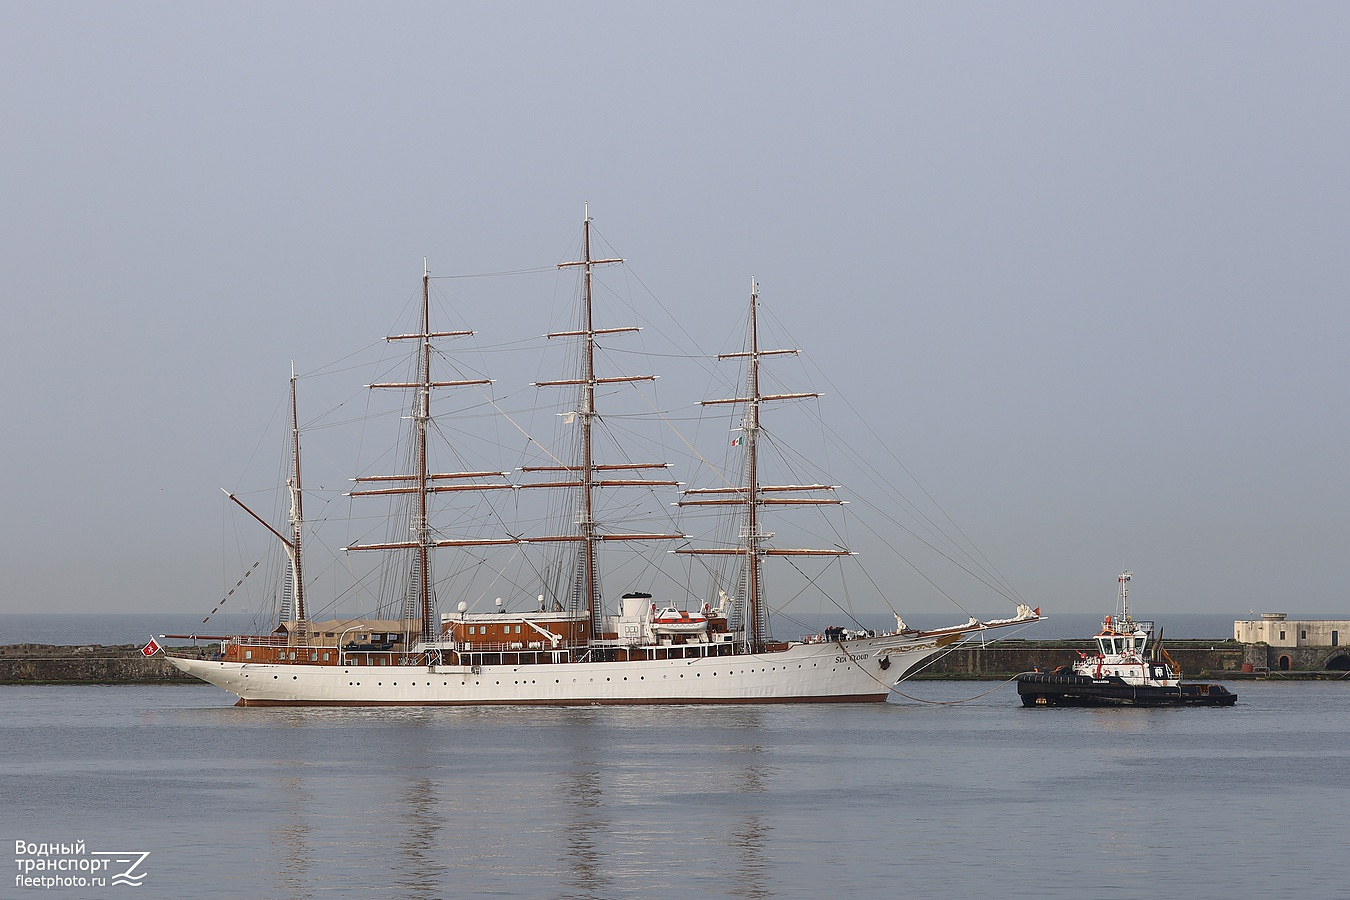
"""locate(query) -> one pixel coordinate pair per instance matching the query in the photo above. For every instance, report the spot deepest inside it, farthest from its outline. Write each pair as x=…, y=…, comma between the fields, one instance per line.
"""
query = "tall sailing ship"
x=568, y=646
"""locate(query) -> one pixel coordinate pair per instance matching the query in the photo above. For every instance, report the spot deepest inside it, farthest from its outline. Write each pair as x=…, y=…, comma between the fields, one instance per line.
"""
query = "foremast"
x=295, y=613
x=585, y=474
x=751, y=494
x=293, y=549
x=421, y=483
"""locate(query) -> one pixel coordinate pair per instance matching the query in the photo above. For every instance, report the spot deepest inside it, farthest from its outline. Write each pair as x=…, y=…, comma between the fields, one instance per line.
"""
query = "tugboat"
x=1128, y=669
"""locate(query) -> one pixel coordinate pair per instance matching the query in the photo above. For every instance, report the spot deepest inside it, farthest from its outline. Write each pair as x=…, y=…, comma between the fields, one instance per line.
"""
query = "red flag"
x=151, y=648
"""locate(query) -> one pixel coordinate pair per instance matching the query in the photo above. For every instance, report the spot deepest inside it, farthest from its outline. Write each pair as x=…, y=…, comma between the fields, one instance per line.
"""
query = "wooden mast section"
x=751, y=494
x=421, y=483
x=585, y=472
x=298, y=612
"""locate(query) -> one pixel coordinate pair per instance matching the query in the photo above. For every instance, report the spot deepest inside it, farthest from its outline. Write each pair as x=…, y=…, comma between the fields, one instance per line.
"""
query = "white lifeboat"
x=678, y=621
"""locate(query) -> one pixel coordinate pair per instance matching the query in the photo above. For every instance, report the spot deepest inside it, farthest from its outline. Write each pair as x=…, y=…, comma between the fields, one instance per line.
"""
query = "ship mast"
x=299, y=630
x=1124, y=580
x=586, y=472
x=299, y=613
x=421, y=483
x=751, y=495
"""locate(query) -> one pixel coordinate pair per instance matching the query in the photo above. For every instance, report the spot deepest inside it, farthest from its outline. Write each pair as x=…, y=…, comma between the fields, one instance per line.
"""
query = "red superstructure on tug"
x=563, y=646
x=1128, y=669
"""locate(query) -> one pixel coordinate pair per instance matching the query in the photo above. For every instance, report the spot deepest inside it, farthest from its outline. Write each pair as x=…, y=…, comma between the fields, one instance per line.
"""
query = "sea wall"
x=49, y=664
x=1006, y=659
x=96, y=664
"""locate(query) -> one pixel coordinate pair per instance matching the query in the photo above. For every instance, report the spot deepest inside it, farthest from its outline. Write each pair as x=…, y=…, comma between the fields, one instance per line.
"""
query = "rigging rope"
x=237, y=585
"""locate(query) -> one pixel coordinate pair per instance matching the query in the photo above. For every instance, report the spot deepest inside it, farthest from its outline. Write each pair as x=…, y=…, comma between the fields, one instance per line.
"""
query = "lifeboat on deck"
x=678, y=621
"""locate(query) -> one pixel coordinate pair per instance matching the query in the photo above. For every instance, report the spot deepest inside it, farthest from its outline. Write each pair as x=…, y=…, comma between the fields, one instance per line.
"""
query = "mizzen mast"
x=751, y=495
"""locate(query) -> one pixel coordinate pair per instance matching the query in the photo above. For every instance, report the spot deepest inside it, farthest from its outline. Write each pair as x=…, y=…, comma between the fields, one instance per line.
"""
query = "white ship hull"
x=861, y=670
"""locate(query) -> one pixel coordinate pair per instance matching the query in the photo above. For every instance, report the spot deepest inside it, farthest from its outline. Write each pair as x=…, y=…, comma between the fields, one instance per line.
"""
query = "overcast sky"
x=1083, y=267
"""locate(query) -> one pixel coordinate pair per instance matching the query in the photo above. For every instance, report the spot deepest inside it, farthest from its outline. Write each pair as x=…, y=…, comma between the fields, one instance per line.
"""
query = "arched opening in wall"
x=1284, y=664
x=1339, y=663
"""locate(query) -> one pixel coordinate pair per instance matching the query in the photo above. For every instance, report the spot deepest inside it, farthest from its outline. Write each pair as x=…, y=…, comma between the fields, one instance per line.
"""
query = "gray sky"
x=1082, y=266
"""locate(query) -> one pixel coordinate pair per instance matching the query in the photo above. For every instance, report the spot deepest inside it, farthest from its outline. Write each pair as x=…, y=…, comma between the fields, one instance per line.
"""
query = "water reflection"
x=292, y=833
x=587, y=820
x=751, y=834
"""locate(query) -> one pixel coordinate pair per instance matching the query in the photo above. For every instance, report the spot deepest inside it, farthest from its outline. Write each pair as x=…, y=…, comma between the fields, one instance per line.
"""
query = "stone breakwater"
x=1197, y=659
x=125, y=664
x=93, y=664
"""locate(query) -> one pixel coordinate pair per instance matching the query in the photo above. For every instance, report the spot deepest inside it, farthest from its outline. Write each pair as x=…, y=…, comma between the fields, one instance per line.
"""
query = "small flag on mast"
x=151, y=648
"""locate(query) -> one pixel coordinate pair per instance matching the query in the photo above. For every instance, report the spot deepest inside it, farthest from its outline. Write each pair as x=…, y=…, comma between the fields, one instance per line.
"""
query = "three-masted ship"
x=582, y=651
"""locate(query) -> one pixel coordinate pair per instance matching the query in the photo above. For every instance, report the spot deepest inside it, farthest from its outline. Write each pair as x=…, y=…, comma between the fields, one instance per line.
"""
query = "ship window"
x=248, y=654
x=325, y=656
x=517, y=629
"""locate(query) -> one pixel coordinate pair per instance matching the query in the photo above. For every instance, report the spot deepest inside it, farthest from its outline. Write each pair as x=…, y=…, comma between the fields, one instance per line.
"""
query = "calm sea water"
x=51, y=628
x=901, y=799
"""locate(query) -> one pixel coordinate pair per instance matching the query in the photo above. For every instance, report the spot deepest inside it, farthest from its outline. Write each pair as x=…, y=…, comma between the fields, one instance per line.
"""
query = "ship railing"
x=502, y=646
x=261, y=640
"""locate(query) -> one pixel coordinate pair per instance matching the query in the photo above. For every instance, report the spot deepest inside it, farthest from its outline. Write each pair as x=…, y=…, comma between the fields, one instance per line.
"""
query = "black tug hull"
x=1049, y=689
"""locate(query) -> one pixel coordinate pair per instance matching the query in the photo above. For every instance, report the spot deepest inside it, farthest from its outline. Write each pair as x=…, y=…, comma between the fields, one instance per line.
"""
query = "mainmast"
x=751, y=494
x=586, y=470
x=421, y=483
